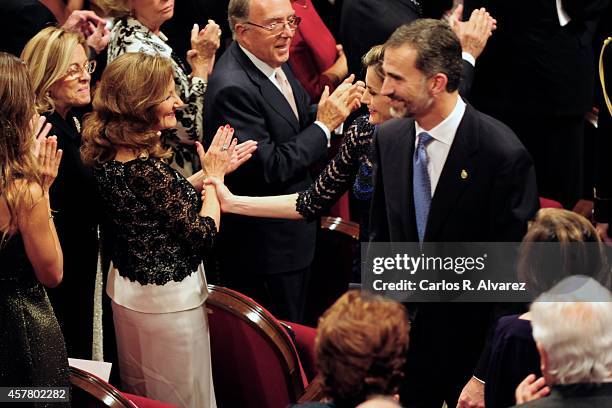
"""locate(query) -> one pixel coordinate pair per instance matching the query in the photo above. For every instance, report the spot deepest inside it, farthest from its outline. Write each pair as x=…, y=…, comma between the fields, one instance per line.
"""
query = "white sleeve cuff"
x=469, y=58
x=325, y=130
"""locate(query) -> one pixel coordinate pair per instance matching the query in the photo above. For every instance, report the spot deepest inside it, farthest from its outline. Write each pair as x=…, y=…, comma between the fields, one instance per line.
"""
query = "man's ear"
x=438, y=83
x=543, y=357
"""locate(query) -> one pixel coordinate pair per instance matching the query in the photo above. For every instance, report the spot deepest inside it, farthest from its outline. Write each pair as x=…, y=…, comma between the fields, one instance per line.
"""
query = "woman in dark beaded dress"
x=350, y=166
x=32, y=351
x=159, y=230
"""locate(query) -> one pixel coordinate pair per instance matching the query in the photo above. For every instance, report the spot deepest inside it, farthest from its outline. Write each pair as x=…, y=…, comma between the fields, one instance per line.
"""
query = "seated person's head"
x=561, y=243
x=134, y=100
x=60, y=70
x=360, y=348
x=573, y=332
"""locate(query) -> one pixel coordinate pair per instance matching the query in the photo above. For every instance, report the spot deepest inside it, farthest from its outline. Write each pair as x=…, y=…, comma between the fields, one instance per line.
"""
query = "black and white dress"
x=129, y=35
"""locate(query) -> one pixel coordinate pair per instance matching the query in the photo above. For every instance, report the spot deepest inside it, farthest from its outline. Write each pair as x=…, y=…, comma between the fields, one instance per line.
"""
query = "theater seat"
x=255, y=363
x=304, y=342
x=89, y=391
x=548, y=203
x=332, y=267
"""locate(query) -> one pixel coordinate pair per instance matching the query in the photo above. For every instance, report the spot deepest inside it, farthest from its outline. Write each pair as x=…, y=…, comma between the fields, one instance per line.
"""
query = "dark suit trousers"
x=283, y=294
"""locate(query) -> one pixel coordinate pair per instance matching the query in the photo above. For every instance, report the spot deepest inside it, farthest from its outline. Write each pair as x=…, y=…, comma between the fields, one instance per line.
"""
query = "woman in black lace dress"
x=159, y=231
x=32, y=351
x=351, y=164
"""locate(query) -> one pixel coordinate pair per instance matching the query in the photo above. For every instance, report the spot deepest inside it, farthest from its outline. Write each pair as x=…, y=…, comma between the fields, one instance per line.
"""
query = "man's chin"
x=398, y=112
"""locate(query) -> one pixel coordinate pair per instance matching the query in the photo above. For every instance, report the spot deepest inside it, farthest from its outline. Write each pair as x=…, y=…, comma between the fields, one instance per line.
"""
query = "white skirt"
x=166, y=356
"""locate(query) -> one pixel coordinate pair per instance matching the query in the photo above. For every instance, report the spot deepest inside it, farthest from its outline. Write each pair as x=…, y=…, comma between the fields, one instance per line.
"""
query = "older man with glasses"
x=255, y=91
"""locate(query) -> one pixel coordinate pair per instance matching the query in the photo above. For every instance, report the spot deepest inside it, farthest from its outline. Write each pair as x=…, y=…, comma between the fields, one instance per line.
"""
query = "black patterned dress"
x=32, y=351
x=350, y=165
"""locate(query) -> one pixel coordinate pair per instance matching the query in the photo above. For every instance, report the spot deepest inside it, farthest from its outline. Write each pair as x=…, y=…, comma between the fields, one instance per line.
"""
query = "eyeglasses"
x=76, y=71
x=279, y=26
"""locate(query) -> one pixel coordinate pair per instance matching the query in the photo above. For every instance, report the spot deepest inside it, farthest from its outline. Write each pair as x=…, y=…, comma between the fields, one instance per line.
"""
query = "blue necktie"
x=421, y=183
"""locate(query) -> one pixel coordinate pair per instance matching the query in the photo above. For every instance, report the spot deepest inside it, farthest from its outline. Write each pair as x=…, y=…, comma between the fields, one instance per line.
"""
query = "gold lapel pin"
x=464, y=174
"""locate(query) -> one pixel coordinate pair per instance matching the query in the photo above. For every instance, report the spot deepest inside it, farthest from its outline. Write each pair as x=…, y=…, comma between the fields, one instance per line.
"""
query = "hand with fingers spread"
x=335, y=108
x=474, y=33
x=204, y=45
x=531, y=389
x=83, y=21
x=216, y=160
x=49, y=159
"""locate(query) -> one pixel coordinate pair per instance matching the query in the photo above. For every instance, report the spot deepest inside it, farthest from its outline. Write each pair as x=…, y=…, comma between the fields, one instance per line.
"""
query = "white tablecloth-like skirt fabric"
x=166, y=356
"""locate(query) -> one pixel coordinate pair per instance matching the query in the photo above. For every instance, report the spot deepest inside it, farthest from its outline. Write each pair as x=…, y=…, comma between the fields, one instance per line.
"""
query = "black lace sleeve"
x=173, y=201
x=340, y=173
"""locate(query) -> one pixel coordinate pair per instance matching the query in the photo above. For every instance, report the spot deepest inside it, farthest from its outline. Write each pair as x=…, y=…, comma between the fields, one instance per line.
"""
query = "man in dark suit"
x=444, y=172
x=572, y=331
x=536, y=76
x=252, y=88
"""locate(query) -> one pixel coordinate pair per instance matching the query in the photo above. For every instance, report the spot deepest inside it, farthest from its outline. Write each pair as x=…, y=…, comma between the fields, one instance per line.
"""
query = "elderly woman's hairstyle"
x=360, y=348
x=575, y=331
x=124, y=108
x=561, y=243
x=374, y=59
x=17, y=161
x=48, y=56
x=114, y=8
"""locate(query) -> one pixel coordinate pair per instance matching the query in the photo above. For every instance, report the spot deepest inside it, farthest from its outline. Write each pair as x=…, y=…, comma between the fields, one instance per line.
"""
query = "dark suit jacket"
x=20, y=20
x=492, y=204
x=575, y=396
x=241, y=95
x=531, y=64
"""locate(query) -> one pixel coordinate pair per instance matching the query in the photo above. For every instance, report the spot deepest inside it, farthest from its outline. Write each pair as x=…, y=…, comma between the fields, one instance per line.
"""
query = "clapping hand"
x=49, y=158
x=204, y=45
x=335, y=108
x=216, y=160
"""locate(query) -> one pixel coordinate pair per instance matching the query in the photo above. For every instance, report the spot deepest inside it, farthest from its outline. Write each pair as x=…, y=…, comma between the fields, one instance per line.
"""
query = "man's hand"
x=474, y=33
x=472, y=395
x=334, y=109
x=204, y=45
x=83, y=21
x=531, y=389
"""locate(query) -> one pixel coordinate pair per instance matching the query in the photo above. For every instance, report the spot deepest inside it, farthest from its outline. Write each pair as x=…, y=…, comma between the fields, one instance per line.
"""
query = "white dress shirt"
x=443, y=135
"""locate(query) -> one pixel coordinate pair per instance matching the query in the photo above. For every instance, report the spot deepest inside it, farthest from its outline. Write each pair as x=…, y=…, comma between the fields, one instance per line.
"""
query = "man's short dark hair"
x=438, y=48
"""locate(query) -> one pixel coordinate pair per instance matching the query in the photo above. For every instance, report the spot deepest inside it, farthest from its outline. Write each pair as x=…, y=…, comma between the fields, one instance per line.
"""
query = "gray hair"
x=575, y=331
x=237, y=12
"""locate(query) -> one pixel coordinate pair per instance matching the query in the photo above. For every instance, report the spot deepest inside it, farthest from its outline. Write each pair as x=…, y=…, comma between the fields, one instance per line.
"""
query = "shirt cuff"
x=469, y=58
x=478, y=379
x=325, y=130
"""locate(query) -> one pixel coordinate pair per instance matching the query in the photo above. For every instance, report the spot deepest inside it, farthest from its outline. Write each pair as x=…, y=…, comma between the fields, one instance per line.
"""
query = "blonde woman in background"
x=61, y=72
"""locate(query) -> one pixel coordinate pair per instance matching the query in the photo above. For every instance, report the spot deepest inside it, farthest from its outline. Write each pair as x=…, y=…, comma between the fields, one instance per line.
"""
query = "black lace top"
x=157, y=234
x=340, y=173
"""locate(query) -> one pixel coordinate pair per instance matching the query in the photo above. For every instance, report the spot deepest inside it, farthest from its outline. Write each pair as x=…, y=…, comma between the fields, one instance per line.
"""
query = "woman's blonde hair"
x=114, y=8
x=124, y=108
x=17, y=162
x=374, y=59
x=48, y=56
